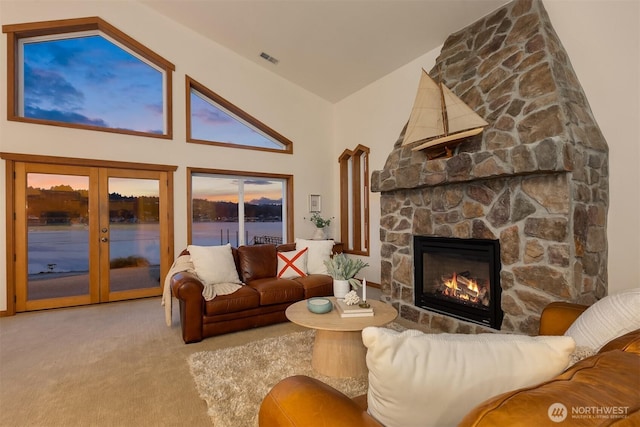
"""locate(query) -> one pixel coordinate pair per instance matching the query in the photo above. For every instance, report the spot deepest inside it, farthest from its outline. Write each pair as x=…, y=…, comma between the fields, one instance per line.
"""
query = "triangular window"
x=213, y=120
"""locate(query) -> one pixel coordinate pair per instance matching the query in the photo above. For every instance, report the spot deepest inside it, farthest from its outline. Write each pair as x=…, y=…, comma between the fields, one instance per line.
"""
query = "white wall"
x=602, y=40
x=297, y=114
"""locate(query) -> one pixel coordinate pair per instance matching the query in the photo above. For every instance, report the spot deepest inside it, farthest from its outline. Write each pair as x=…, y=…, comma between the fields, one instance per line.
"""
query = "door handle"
x=104, y=239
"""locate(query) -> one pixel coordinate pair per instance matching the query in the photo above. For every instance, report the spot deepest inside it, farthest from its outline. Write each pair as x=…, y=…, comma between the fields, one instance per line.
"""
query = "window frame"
x=287, y=204
x=17, y=32
x=354, y=201
x=191, y=84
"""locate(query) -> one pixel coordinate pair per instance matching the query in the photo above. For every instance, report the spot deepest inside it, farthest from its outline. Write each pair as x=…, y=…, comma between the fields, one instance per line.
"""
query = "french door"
x=86, y=235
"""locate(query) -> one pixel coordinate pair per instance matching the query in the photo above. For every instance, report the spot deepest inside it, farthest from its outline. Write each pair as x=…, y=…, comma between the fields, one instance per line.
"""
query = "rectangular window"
x=239, y=208
x=354, y=200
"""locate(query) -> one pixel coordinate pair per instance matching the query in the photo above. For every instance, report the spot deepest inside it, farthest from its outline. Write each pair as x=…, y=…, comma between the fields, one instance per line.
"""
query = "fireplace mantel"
x=406, y=169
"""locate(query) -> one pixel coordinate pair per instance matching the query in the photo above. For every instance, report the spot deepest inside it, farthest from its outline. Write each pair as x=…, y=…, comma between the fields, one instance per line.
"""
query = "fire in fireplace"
x=459, y=278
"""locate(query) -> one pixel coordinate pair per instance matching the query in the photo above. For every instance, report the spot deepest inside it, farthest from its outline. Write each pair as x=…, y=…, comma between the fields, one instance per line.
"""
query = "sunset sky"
x=123, y=186
x=225, y=190
x=89, y=80
x=211, y=123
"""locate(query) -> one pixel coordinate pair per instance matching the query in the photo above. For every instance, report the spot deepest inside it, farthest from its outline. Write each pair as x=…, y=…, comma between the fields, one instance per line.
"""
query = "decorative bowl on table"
x=319, y=305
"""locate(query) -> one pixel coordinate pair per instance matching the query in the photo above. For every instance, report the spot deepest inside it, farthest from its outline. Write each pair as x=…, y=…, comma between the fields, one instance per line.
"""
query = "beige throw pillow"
x=422, y=380
x=319, y=252
x=214, y=264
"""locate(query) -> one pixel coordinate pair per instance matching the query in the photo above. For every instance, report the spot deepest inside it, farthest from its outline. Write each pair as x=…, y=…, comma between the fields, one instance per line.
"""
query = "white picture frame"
x=315, y=203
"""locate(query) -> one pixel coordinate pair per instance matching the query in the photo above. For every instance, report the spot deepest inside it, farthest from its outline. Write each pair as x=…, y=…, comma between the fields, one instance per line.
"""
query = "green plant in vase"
x=321, y=224
x=343, y=271
x=319, y=221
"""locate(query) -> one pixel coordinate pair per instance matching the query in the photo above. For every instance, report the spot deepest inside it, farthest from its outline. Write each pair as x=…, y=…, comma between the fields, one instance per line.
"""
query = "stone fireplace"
x=536, y=179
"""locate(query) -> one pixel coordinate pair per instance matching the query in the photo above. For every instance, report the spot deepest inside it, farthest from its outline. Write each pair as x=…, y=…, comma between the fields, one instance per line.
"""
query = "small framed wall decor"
x=315, y=203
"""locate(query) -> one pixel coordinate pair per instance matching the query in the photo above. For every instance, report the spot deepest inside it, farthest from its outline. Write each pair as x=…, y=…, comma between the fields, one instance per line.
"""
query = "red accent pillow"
x=292, y=264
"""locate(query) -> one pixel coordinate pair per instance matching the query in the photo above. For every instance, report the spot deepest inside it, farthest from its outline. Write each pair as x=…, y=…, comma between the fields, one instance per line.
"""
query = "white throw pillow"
x=319, y=252
x=423, y=380
x=214, y=264
x=292, y=264
x=609, y=318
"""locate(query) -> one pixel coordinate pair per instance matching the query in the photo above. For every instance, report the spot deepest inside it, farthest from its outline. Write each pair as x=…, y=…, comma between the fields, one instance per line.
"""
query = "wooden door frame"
x=10, y=225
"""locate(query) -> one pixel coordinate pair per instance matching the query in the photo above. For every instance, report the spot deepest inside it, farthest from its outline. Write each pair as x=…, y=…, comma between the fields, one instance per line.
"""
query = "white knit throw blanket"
x=183, y=263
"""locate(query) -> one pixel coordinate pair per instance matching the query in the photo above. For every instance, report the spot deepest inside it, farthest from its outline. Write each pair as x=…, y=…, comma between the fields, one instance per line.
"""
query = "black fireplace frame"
x=491, y=316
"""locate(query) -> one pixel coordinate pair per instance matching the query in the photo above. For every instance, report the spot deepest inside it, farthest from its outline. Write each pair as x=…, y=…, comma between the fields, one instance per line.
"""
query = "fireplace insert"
x=459, y=278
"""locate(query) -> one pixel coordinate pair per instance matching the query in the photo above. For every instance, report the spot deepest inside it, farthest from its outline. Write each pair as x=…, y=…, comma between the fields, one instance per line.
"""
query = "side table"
x=338, y=350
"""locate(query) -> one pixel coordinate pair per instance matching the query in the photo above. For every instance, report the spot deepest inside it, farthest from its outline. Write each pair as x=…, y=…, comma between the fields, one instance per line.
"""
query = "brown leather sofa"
x=261, y=302
x=609, y=380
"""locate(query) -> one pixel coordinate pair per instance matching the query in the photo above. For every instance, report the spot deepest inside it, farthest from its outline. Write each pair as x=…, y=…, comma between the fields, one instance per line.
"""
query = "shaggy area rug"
x=233, y=381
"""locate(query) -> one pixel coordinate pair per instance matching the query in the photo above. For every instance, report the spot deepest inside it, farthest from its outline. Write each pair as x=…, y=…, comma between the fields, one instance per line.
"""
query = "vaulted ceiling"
x=331, y=48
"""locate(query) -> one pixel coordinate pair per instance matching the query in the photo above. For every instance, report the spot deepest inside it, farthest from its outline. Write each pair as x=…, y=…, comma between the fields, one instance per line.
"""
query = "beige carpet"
x=233, y=381
x=108, y=365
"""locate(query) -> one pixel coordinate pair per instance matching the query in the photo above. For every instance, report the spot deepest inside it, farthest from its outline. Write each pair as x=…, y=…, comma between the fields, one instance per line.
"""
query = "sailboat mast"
x=445, y=119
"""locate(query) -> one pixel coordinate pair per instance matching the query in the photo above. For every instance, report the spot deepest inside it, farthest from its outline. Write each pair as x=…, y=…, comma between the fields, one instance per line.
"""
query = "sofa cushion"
x=316, y=285
x=319, y=252
x=244, y=298
x=214, y=264
x=422, y=380
x=257, y=262
x=608, y=318
x=292, y=264
x=277, y=291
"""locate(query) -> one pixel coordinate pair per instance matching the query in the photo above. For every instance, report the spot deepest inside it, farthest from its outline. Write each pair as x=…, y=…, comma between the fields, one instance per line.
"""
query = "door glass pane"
x=134, y=233
x=57, y=236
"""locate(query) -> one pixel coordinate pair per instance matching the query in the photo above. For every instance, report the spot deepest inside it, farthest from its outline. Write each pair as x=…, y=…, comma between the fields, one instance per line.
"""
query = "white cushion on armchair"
x=609, y=318
x=423, y=380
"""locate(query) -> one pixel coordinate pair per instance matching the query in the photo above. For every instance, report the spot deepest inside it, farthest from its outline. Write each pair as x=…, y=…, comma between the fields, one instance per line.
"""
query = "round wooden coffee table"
x=338, y=350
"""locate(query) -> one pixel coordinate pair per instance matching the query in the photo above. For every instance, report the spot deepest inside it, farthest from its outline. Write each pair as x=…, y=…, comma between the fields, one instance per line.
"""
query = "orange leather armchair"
x=611, y=378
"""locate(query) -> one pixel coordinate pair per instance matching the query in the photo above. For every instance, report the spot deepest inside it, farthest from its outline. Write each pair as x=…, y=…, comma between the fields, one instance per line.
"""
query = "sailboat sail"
x=434, y=104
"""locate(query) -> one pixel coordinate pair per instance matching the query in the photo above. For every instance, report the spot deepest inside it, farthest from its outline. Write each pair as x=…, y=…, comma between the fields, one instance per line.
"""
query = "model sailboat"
x=439, y=118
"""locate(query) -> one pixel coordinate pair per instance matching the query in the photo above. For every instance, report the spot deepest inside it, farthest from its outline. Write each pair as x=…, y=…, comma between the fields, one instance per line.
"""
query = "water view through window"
x=57, y=235
x=59, y=230
x=218, y=217
x=134, y=233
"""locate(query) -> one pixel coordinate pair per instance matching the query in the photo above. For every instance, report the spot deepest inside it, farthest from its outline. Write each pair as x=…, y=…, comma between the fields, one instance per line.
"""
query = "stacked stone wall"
x=536, y=179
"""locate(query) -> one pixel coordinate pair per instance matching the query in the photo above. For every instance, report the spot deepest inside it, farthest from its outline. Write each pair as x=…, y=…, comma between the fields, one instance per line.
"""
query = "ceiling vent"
x=269, y=58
